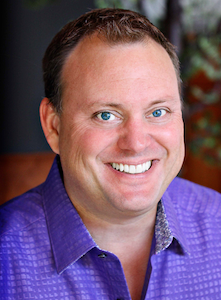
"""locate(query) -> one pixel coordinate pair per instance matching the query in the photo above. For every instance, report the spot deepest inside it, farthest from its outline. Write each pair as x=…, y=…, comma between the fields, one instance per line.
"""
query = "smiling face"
x=120, y=132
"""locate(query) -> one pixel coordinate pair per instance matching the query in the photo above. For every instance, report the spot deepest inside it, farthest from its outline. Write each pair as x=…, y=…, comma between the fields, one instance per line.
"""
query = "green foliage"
x=203, y=53
x=205, y=142
x=211, y=97
x=108, y=3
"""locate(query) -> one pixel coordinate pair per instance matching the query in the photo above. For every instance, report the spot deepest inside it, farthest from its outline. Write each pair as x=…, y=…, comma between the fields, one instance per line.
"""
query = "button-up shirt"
x=46, y=252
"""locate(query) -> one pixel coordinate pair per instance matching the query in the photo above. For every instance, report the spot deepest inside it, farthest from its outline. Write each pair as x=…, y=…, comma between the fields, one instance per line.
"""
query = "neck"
x=118, y=234
x=130, y=240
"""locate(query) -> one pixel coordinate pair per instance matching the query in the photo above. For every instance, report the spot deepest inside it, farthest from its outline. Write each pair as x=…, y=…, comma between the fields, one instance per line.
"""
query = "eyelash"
x=113, y=117
x=163, y=112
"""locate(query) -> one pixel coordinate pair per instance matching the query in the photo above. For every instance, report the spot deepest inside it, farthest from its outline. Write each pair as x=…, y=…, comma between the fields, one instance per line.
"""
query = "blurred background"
x=194, y=26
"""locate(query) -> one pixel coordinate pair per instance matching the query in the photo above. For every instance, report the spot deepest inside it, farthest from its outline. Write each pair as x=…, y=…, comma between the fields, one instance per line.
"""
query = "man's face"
x=121, y=128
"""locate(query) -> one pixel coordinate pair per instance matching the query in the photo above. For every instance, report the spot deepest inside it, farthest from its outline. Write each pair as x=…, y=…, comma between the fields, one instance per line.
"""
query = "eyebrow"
x=106, y=104
x=158, y=102
x=119, y=105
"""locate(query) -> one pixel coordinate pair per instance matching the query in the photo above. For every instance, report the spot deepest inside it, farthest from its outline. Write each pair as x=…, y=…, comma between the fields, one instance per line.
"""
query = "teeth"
x=132, y=169
x=126, y=168
x=148, y=165
x=139, y=169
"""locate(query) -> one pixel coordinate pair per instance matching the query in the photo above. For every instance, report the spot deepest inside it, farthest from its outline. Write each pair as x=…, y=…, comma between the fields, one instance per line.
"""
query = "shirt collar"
x=163, y=235
x=167, y=226
x=70, y=240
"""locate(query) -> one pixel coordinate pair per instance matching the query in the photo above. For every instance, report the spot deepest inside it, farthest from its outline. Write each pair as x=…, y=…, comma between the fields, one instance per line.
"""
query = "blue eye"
x=106, y=116
x=159, y=113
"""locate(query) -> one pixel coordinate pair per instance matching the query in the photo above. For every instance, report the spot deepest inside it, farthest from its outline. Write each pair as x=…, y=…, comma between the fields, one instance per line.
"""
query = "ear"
x=50, y=122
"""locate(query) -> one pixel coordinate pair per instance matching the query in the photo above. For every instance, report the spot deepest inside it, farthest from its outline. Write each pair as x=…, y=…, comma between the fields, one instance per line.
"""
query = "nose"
x=134, y=136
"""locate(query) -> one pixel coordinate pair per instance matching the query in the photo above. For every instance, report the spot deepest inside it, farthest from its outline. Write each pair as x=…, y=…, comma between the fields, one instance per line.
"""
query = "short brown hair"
x=115, y=26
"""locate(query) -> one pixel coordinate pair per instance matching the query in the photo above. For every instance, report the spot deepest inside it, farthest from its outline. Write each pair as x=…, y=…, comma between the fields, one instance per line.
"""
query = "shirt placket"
x=117, y=286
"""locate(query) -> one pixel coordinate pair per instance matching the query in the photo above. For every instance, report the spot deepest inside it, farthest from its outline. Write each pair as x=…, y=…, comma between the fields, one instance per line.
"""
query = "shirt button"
x=102, y=255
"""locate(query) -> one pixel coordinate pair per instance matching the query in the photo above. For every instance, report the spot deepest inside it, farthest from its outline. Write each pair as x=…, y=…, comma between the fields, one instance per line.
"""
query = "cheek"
x=176, y=144
x=171, y=137
x=85, y=141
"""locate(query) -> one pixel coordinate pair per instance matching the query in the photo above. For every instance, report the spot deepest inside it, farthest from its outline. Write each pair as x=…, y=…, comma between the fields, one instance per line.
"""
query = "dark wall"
x=26, y=34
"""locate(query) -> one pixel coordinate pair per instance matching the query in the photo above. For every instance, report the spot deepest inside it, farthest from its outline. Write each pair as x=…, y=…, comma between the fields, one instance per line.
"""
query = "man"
x=111, y=222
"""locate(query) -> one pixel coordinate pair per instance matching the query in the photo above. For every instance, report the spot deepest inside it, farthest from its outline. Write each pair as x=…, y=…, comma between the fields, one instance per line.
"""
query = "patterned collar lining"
x=163, y=234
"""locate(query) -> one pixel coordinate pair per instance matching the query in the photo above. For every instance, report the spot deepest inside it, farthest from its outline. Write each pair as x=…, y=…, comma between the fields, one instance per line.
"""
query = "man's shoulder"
x=194, y=198
x=20, y=212
x=185, y=186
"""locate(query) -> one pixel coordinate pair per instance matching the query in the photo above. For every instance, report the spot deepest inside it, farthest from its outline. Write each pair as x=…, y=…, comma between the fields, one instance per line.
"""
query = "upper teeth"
x=132, y=169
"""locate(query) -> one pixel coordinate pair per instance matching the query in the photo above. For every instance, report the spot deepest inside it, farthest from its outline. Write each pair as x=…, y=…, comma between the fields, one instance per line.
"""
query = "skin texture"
x=131, y=82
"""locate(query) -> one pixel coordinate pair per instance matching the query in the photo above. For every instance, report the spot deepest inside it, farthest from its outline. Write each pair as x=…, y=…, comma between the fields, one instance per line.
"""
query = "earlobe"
x=50, y=122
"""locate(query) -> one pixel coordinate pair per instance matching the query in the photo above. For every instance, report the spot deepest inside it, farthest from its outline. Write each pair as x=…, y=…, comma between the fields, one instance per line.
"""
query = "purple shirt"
x=46, y=252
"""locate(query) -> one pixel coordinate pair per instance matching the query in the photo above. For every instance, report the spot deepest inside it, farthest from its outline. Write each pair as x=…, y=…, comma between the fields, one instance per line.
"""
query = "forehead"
x=97, y=66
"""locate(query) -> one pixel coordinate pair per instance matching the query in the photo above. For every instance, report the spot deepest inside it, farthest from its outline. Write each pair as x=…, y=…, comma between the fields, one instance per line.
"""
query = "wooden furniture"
x=21, y=172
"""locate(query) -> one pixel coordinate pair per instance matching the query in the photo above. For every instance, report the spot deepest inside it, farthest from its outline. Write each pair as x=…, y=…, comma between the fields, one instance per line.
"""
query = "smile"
x=132, y=169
